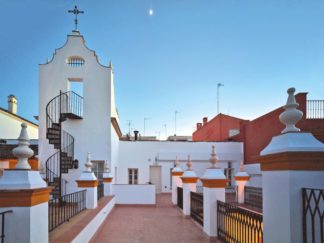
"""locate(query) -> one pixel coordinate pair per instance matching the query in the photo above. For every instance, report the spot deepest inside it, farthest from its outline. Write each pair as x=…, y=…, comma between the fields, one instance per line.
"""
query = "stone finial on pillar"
x=107, y=180
x=214, y=182
x=89, y=181
x=291, y=161
x=88, y=164
x=23, y=152
x=24, y=192
x=291, y=115
x=176, y=181
x=189, y=184
x=241, y=179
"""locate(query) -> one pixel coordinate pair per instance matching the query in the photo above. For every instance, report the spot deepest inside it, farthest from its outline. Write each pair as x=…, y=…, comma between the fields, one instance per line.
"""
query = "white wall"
x=93, y=132
x=134, y=194
x=11, y=126
x=255, y=175
x=141, y=154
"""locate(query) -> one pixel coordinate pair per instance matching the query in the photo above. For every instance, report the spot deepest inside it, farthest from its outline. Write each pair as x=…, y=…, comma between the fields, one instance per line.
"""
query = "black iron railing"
x=3, y=214
x=235, y=224
x=253, y=196
x=63, y=106
x=63, y=208
x=197, y=207
x=313, y=215
x=315, y=109
x=230, y=195
x=180, y=197
x=100, y=190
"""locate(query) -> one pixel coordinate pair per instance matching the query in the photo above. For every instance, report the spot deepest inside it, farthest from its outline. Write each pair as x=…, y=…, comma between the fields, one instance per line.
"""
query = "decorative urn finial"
x=23, y=152
x=291, y=115
x=189, y=164
x=213, y=159
x=88, y=164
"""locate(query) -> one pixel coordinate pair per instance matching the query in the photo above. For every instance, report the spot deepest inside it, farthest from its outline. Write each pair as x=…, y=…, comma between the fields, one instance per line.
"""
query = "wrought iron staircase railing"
x=67, y=105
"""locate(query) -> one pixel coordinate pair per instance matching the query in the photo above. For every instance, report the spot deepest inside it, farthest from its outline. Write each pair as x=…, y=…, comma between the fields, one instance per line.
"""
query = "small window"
x=132, y=176
x=75, y=61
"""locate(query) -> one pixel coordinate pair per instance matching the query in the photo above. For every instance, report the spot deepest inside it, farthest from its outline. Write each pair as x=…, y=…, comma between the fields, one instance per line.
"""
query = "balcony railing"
x=63, y=208
x=313, y=215
x=315, y=109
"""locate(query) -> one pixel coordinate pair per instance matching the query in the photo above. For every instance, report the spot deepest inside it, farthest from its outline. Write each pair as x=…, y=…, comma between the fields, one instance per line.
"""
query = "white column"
x=241, y=179
x=291, y=161
x=176, y=182
x=89, y=181
x=27, y=195
x=107, y=181
x=189, y=185
x=214, y=183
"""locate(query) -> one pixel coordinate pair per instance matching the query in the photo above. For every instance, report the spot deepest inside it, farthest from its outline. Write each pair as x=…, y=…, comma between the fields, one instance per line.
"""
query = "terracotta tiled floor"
x=152, y=224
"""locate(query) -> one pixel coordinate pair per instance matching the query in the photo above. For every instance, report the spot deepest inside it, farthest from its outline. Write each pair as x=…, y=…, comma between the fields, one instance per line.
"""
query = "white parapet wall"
x=134, y=194
x=255, y=174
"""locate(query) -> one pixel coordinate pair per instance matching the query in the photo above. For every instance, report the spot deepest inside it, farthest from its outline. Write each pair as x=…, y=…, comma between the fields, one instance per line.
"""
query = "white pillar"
x=291, y=161
x=27, y=195
x=89, y=181
x=189, y=185
x=214, y=183
x=176, y=182
x=241, y=179
x=107, y=181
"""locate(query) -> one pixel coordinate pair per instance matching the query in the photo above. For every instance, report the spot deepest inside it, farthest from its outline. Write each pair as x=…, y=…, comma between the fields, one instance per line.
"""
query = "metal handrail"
x=2, y=236
x=65, y=103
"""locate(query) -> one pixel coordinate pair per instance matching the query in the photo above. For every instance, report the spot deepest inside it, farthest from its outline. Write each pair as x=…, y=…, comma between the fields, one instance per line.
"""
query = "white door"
x=155, y=177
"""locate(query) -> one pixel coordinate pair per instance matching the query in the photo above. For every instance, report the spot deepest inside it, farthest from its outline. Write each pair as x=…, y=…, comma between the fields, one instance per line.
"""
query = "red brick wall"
x=257, y=134
x=217, y=129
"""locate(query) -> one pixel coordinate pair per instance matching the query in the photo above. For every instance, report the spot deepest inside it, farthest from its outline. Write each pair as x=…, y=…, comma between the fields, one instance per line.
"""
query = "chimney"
x=12, y=104
x=199, y=125
x=136, y=135
x=205, y=120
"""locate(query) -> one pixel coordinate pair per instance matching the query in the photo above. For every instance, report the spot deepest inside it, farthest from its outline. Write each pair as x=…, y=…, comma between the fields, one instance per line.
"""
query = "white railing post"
x=214, y=183
x=177, y=172
x=291, y=161
x=189, y=184
x=25, y=193
x=89, y=181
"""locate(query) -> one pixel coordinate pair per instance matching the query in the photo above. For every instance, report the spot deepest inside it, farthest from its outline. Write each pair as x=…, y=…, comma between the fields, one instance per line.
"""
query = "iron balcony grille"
x=3, y=218
x=63, y=208
x=315, y=109
x=235, y=224
x=253, y=197
x=313, y=215
x=180, y=197
x=197, y=207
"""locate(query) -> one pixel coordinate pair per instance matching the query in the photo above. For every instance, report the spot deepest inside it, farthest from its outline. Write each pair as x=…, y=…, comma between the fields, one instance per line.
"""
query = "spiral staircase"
x=67, y=105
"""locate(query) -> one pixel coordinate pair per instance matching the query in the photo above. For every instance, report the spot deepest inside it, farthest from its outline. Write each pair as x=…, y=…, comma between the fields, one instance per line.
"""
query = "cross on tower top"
x=76, y=11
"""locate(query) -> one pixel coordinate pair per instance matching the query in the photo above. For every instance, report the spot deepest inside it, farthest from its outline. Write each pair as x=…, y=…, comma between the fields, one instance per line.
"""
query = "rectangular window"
x=133, y=176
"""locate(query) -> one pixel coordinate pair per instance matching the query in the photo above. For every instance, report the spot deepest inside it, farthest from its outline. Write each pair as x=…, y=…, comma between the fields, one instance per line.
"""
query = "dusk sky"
x=172, y=60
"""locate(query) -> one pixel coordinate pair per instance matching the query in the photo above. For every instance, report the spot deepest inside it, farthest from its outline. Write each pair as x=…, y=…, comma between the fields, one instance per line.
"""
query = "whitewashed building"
x=77, y=114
